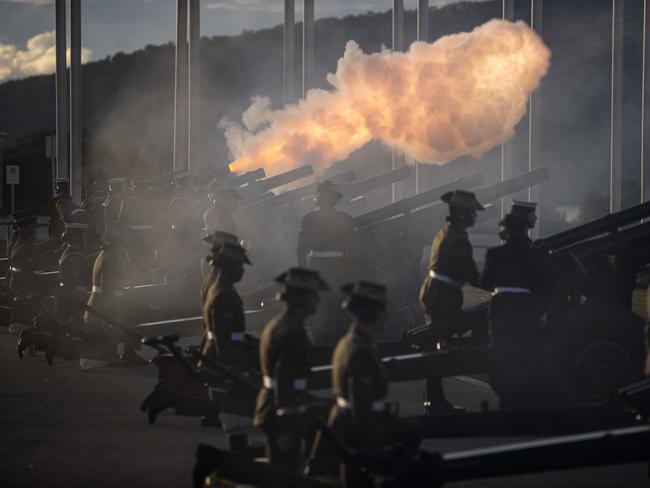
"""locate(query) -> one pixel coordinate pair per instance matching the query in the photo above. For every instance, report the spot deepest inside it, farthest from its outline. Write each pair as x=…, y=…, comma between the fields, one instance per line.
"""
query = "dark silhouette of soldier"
x=527, y=210
x=518, y=274
x=223, y=309
x=285, y=348
x=327, y=243
x=451, y=265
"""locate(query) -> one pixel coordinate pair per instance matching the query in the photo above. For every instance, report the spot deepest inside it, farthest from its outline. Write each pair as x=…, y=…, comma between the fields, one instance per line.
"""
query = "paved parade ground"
x=62, y=427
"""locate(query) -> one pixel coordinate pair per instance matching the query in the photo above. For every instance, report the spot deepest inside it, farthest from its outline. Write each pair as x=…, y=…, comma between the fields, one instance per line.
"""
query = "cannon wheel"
x=592, y=351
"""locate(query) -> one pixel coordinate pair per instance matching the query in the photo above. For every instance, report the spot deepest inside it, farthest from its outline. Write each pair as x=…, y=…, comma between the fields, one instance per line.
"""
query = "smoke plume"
x=463, y=94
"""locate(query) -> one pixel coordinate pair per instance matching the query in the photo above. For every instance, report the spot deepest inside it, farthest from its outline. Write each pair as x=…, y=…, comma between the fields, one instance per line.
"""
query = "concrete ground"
x=62, y=427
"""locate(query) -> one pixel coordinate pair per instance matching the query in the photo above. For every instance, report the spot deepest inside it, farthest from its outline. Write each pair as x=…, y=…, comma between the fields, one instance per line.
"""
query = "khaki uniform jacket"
x=285, y=356
x=223, y=320
x=357, y=369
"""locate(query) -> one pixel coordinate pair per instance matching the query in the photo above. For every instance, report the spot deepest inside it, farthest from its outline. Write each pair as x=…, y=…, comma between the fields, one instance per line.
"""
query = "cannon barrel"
x=358, y=188
x=298, y=194
x=163, y=179
x=219, y=172
x=409, y=204
x=261, y=187
x=636, y=236
x=608, y=223
x=249, y=177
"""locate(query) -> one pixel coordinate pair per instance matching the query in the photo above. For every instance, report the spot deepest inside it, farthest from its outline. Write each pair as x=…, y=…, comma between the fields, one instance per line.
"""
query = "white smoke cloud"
x=463, y=94
x=38, y=57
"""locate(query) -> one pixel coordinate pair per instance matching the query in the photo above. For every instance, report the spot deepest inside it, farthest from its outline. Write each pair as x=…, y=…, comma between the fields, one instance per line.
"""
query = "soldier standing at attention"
x=285, y=348
x=520, y=280
x=360, y=387
x=451, y=266
x=216, y=240
x=327, y=243
x=223, y=309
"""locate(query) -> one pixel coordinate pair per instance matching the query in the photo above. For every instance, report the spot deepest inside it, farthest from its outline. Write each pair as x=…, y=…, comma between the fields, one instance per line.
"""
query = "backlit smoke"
x=461, y=95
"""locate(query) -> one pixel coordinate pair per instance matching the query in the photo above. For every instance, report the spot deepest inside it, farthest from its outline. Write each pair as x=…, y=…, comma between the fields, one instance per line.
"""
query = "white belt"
x=14, y=269
x=377, y=406
x=271, y=383
x=445, y=279
x=509, y=289
x=78, y=288
x=327, y=254
x=140, y=227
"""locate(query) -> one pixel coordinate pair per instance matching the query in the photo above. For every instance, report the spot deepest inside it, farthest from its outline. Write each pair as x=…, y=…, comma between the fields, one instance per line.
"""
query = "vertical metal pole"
x=289, y=49
x=62, y=160
x=307, y=47
x=535, y=112
x=615, y=155
x=507, y=13
x=181, y=109
x=194, y=149
x=398, y=45
x=644, y=183
x=75, y=100
x=422, y=35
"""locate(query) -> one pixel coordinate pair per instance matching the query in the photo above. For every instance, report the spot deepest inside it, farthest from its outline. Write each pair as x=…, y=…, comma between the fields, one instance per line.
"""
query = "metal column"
x=398, y=45
x=181, y=108
x=194, y=162
x=535, y=113
x=615, y=154
x=289, y=50
x=307, y=47
x=645, y=114
x=75, y=101
x=507, y=13
x=422, y=35
x=62, y=160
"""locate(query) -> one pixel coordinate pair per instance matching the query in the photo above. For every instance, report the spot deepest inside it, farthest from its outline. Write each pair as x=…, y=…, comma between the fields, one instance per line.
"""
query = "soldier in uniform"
x=360, y=386
x=219, y=216
x=113, y=203
x=327, y=243
x=23, y=260
x=285, y=361
x=137, y=215
x=216, y=240
x=75, y=267
x=525, y=210
x=451, y=265
x=519, y=277
x=62, y=206
x=223, y=309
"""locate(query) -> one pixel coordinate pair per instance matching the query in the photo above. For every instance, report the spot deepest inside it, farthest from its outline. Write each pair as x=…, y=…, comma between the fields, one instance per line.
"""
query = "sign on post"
x=13, y=174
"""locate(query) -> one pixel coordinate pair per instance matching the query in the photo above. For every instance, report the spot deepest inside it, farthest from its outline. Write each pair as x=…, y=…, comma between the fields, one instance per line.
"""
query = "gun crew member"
x=451, y=265
x=519, y=276
x=223, y=309
x=285, y=347
x=327, y=243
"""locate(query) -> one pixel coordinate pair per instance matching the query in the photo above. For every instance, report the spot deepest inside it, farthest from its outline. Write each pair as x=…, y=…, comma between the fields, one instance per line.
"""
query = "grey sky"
x=110, y=26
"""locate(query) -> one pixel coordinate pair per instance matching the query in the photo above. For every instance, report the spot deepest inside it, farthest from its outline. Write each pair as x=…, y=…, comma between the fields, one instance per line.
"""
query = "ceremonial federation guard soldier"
x=62, y=206
x=223, y=309
x=525, y=210
x=285, y=349
x=327, y=243
x=216, y=240
x=451, y=265
x=75, y=267
x=224, y=203
x=519, y=277
x=137, y=216
x=23, y=260
x=360, y=386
